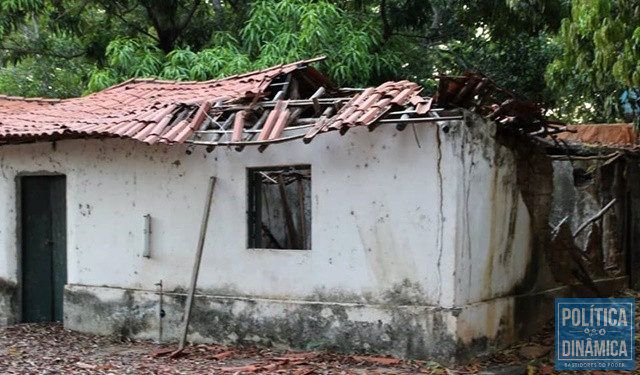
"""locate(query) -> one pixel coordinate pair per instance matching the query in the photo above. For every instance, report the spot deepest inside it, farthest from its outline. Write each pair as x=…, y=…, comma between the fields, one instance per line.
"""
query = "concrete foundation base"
x=421, y=332
x=8, y=302
x=406, y=331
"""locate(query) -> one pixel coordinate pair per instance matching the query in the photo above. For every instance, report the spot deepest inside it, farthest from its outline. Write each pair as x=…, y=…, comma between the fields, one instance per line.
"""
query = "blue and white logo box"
x=595, y=334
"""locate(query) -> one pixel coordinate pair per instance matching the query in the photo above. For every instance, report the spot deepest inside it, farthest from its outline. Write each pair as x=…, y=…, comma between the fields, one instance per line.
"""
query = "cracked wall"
x=419, y=243
x=505, y=284
x=376, y=237
x=495, y=235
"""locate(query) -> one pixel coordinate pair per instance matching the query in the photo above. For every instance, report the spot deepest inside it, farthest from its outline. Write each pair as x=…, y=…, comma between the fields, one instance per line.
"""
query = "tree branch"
x=436, y=22
x=428, y=39
x=462, y=62
x=151, y=15
x=387, y=31
x=189, y=16
x=42, y=53
x=79, y=8
x=135, y=27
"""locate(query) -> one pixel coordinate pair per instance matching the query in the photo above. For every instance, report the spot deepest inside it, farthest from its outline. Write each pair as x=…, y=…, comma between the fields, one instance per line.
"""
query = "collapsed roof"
x=278, y=104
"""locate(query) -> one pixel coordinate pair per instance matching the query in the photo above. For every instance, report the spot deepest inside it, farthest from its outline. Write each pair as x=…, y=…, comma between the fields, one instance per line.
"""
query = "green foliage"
x=99, y=43
x=600, y=58
x=274, y=33
x=128, y=58
x=351, y=41
x=517, y=64
x=21, y=5
x=37, y=76
x=38, y=60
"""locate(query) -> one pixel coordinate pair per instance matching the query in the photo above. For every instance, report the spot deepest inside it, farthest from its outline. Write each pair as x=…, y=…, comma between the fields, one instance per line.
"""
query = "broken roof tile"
x=157, y=111
x=142, y=109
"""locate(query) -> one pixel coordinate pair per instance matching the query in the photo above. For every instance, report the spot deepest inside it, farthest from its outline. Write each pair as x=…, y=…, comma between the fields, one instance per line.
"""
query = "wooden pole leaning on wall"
x=196, y=265
x=595, y=217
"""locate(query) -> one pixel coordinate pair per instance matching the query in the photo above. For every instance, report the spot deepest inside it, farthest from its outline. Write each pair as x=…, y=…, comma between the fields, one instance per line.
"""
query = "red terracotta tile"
x=124, y=109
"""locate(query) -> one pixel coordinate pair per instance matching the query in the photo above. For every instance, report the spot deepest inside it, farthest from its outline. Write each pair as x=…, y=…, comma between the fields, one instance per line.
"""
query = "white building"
x=426, y=242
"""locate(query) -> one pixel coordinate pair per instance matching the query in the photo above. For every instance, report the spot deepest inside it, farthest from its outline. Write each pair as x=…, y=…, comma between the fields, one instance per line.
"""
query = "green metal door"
x=44, y=259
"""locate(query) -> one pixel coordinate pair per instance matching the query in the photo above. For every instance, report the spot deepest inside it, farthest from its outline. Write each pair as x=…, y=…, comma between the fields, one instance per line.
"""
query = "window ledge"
x=269, y=249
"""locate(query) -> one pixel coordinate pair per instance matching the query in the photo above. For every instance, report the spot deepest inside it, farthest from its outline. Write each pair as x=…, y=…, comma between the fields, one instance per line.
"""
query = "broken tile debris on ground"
x=50, y=349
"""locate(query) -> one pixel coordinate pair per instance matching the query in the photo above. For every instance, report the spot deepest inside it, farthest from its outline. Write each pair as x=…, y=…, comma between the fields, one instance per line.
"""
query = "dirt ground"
x=49, y=349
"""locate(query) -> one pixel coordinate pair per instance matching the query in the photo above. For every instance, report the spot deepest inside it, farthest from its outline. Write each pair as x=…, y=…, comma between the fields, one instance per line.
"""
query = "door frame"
x=18, y=229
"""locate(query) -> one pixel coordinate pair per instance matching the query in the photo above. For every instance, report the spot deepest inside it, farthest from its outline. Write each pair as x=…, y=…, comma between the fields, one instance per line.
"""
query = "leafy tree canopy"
x=61, y=48
x=599, y=60
x=274, y=32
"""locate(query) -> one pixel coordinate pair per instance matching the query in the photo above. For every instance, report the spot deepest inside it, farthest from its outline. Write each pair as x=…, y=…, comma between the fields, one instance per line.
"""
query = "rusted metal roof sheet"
x=613, y=135
x=148, y=110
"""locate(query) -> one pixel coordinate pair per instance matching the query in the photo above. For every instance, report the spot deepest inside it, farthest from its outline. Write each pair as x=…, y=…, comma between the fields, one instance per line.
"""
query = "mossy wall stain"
x=405, y=331
x=8, y=301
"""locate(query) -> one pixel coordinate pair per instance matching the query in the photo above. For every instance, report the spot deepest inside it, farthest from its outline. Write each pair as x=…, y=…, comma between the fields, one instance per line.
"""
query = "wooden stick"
x=594, y=217
x=225, y=126
x=294, y=92
x=267, y=231
x=404, y=117
x=303, y=224
x=314, y=98
x=412, y=111
x=160, y=312
x=247, y=143
x=546, y=131
x=304, y=124
x=288, y=218
x=265, y=115
x=196, y=264
x=609, y=161
x=255, y=129
x=293, y=103
x=594, y=157
x=419, y=119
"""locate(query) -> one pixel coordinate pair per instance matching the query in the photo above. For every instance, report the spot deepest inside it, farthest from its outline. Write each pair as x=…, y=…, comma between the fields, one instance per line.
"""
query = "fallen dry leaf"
x=161, y=352
x=546, y=370
x=223, y=355
x=178, y=353
x=378, y=360
x=249, y=368
x=86, y=366
x=534, y=351
x=304, y=371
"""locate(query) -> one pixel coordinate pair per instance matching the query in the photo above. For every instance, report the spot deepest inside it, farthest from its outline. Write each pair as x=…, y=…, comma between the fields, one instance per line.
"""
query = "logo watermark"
x=595, y=334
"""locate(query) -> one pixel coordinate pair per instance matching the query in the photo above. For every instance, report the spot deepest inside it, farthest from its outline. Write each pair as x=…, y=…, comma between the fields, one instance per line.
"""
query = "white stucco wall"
x=494, y=237
x=381, y=216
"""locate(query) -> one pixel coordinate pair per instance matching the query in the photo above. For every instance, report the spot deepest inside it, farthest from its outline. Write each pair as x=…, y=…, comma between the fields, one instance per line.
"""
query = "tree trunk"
x=165, y=19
